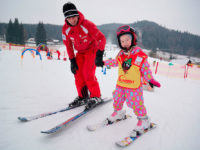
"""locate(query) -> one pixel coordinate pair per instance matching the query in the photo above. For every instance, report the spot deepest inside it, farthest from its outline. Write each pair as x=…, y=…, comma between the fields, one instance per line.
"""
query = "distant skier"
x=58, y=52
x=133, y=67
x=82, y=35
x=189, y=63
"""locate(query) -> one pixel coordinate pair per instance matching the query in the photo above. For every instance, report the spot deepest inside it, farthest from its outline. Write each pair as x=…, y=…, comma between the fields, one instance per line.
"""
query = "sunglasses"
x=123, y=29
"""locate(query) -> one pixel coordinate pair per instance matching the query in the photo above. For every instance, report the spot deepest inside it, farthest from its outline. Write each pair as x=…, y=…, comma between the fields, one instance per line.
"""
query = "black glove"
x=153, y=83
x=74, y=65
x=99, y=58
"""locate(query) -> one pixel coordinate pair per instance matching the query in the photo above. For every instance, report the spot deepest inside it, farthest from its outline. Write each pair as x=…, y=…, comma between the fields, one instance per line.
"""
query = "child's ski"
x=105, y=123
x=128, y=140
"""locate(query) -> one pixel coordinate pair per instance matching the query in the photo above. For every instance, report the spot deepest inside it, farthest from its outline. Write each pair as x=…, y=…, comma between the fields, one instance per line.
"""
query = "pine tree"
x=40, y=36
x=153, y=53
x=16, y=31
x=9, y=31
x=21, y=34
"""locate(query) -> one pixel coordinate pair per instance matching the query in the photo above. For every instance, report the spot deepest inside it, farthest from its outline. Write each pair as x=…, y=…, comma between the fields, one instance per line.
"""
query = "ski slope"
x=31, y=86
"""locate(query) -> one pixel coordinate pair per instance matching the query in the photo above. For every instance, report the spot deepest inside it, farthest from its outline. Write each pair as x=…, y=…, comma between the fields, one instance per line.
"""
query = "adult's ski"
x=34, y=117
x=128, y=140
x=70, y=120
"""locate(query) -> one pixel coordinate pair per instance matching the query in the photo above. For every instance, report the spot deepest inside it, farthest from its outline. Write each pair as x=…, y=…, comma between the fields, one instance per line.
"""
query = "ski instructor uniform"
x=89, y=42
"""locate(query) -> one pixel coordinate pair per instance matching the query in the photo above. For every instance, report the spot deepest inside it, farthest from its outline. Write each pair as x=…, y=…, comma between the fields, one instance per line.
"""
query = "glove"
x=153, y=83
x=99, y=58
x=74, y=65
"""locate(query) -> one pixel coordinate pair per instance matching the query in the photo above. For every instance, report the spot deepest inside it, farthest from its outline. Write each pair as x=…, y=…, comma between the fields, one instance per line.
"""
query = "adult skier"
x=83, y=36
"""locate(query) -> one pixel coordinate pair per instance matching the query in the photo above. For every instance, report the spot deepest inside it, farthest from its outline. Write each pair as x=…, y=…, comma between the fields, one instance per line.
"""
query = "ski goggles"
x=124, y=29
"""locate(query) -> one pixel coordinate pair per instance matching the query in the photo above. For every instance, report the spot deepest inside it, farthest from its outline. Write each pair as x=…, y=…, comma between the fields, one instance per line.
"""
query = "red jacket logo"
x=122, y=78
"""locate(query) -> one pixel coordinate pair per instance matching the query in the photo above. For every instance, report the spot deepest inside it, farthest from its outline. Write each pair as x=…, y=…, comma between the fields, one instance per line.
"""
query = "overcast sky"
x=182, y=15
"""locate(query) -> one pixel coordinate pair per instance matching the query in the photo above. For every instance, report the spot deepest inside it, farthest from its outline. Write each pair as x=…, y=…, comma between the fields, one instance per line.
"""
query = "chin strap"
x=126, y=50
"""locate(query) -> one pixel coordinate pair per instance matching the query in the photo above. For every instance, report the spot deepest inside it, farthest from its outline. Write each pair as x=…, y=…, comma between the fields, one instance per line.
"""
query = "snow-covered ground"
x=31, y=86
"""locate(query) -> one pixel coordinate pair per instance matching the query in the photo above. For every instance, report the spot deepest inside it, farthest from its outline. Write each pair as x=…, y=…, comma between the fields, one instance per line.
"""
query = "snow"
x=31, y=86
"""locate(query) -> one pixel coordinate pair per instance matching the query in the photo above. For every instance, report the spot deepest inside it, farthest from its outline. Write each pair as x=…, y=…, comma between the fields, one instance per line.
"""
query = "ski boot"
x=78, y=101
x=92, y=102
x=117, y=115
x=142, y=125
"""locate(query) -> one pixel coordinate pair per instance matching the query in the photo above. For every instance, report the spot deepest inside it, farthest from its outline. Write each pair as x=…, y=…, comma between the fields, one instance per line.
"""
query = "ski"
x=105, y=123
x=128, y=140
x=70, y=120
x=34, y=117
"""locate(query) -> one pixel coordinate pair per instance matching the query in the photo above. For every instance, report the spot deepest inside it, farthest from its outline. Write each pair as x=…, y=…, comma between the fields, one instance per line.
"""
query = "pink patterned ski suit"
x=132, y=96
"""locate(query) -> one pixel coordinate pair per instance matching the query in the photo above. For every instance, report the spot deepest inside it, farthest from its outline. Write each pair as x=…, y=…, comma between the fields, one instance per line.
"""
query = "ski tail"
x=128, y=140
x=34, y=117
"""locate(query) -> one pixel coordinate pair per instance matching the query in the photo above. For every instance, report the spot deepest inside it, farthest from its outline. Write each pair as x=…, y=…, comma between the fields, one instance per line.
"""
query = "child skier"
x=133, y=67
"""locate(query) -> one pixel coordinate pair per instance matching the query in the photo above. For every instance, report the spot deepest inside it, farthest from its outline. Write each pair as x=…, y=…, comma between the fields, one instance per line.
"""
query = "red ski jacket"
x=83, y=37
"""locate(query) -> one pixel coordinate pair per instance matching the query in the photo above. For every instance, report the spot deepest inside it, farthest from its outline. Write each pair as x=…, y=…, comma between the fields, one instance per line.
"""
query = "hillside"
x=150, y=36
x=153, y=36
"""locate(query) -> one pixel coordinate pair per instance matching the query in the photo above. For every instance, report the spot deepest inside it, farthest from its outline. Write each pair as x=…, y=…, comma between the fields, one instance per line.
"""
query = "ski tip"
x=91, y=128
x=128, y=116
x=107, y=99
x=22, y=119
x=128, y=140
x=153, y=125
x=122, y=143
x=45, y=132
x=50, y=131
